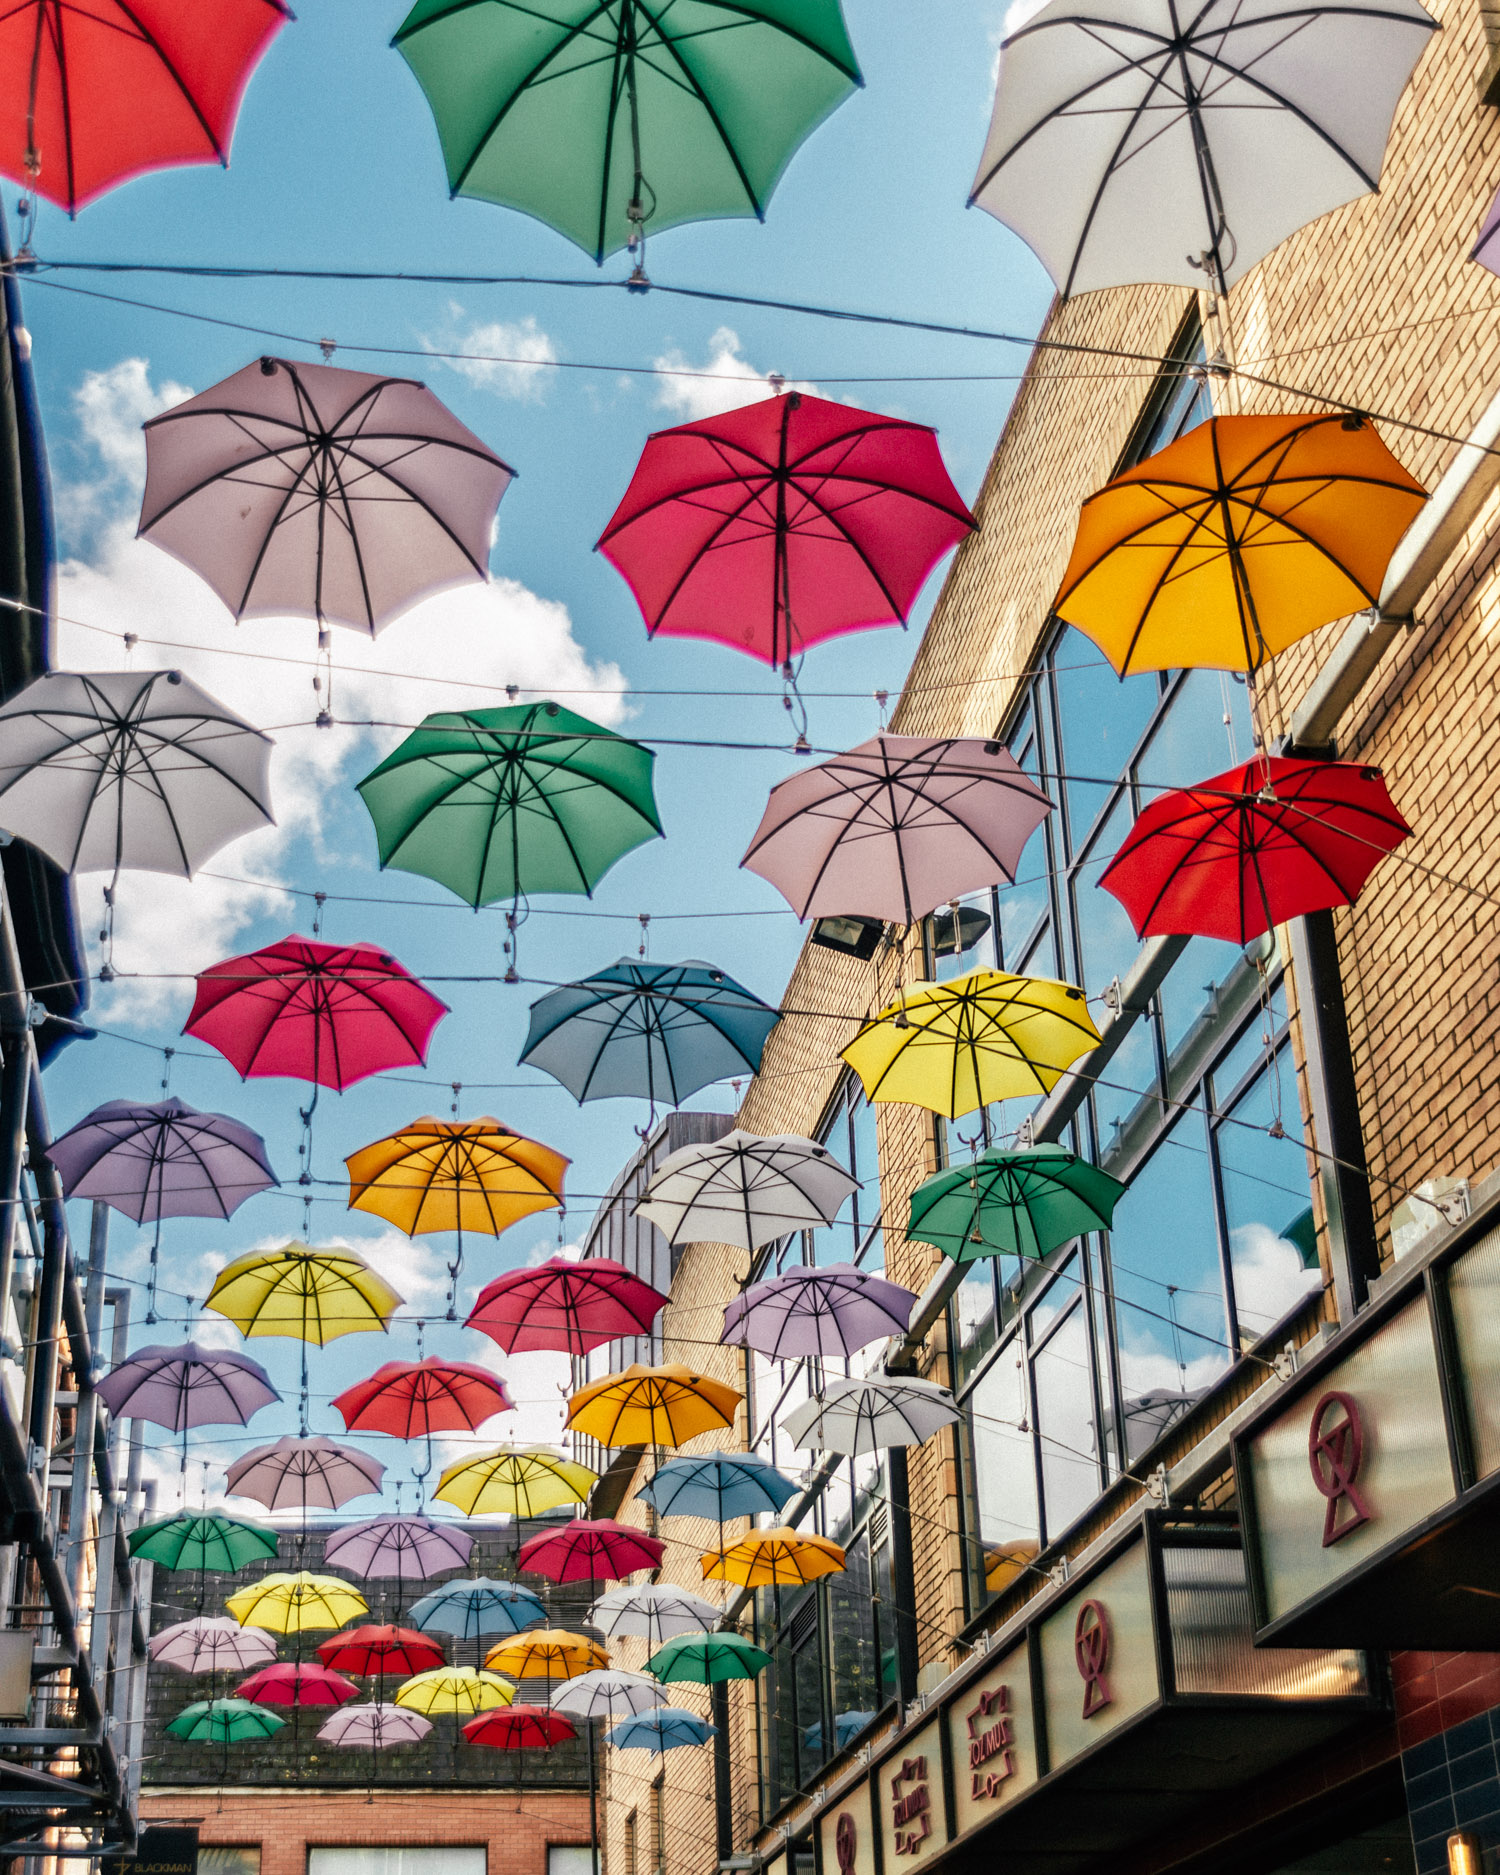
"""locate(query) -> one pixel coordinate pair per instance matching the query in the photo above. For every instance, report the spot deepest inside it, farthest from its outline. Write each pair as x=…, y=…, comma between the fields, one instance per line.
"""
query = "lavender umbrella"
x=408, y=1548
x=212, y=1644
x=374, y=1726
x=830, y=1310
x=187, y=1386
x=305, y=1474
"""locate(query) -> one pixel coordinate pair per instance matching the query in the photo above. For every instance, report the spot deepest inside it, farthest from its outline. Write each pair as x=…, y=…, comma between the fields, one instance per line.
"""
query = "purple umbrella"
x=412, y=1549
x=374, y=1726
x=305, y=1474
x=828, y=1311
x=896, y=827
x=162, y=1159
x=187, y=1386
x=212, y=1644
x=1487, y=248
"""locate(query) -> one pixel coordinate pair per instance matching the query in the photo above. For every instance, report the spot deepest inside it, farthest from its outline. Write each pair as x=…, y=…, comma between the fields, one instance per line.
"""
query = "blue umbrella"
x=846, y=1725
x=718, y=1487
x=656, y=1031
x=661, y=1730
x=475, y=1606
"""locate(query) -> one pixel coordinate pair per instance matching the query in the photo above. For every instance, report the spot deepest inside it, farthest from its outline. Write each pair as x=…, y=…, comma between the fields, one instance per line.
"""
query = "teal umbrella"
x=224, y=1722
x=1021, y=1203
x=186, y=1541
x=708, y=1659
x=610, y=118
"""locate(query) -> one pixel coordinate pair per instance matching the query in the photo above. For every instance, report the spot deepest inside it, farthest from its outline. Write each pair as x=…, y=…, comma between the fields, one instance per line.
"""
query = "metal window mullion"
x=1221, y=1219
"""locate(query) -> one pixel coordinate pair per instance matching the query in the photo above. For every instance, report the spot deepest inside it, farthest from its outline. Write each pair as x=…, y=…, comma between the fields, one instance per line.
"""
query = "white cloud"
x=1270, y=1277
x=725, y=380
x=110, y=407
x=508, y=358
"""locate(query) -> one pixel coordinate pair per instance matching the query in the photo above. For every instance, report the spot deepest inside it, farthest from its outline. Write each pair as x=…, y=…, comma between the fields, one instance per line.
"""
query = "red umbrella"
x=1268, y=841
x=97, y=92
x=326, y=1013
x=783, y=523
x=564, y=1306
x=414, y=1399
x=590, y=1550
x=296, y=1683
x=372, y=1649
x=512, y=1728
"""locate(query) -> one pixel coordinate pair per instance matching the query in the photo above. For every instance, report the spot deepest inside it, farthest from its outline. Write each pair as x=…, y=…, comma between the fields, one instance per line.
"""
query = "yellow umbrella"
x=520, y=1481
x=550, y=1653
x=313, y=1294
x=652, y=1406
x=1236, y=540
x=779, y=1558
x=292, y=1604
x=956, y=1046
x=453, y=1689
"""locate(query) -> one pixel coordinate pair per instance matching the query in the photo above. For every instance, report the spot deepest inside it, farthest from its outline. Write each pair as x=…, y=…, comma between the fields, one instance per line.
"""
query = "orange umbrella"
x=1236, y=540
x=546, y=1654
x=779, y=1558
x=652, y=1406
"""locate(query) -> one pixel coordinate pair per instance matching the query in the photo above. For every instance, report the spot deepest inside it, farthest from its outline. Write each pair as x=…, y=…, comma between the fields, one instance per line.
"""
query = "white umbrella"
x=857, y=1416
x=1151, y=140
x=212, y=1644
x=605, y=1690
x=746, y=1190
x=140, y=769
x=655, y=1613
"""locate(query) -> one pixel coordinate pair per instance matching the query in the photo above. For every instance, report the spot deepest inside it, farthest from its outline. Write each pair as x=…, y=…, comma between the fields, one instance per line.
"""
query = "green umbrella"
x=1021, y=1203
x=706, y=1659
x=605, y=118
x=202, y=1542
x=224, y=1722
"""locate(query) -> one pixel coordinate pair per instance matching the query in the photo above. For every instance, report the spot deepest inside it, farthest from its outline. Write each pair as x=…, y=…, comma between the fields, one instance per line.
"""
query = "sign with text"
x=1098, y=1652
x=846, y=1835
x=909, y=1796
x=163, y=1850
x=991, y=1735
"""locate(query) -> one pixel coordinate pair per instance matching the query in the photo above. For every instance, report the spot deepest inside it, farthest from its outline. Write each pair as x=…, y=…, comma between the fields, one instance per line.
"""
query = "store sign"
x=1091, y=1637
x=1098, y=1652
x=1335, y=1453
x=162, y=1850
x=991, y=1739
x=846, y=1836
x=914, y=1822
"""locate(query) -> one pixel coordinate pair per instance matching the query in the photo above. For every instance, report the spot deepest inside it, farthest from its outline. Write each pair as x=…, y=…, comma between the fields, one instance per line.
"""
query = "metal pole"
x=903, y=1576
x=86, y=1417
x=718, y=1699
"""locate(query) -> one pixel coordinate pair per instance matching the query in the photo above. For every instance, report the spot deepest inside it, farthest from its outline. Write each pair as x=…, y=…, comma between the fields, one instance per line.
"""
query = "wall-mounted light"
x=1465, y=1856
x=855, y=937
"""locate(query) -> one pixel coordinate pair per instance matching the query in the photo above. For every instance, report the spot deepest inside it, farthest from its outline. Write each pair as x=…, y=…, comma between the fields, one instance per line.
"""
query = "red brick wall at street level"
x=1434, y=1692
x=516, y=1826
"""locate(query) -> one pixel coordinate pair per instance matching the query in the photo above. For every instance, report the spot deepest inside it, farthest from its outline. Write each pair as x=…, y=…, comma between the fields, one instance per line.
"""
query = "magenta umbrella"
x=565, y=1307
x=829, y=1311
x=187, y=1386
x=297, y=1683
x=304, y=1474
x=411, y=1549
x=590, y=1550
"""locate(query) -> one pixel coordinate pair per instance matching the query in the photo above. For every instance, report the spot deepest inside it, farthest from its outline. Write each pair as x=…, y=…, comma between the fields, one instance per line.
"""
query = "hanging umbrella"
x=788, y=521
x=211, y=1644
x=202, y=1541
x=606, y=1690
x=829, y=1311
x=224, y=1722
x=453, y=1689
x=718, y=1486
x=856, y=1416
x=326, y=1013
x=291, y=1604
x=187, y=1386
x=590, y=1551
x=1269, y=841
x=1137, y=141
x=653, y=1612
x=415, y=1399
x=506, y=803
x=547, y=1653
x=105, y=770
x=1236, y=540
x=515, y=1728
x=709, y=1659
x=470, y=1610
x=745, y=1189
x=150, y=1160
x=660, y=1731
x=565, y=1307
x=1021, y=1203
x=523, y=1481
x=310, y=1294
x=986, y=1036
x=377, y=1728
x=411, y=1549
x=304, y=1474
x=659, y=1032
x=379, y=1649
x=897, y=827
x=321, y=493
x=776, y=1558
x=652, y=1406
x=604, y=121
x=296, y=1683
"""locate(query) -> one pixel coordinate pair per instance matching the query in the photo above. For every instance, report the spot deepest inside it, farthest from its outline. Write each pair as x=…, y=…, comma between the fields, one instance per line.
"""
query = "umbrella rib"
x=704, y=101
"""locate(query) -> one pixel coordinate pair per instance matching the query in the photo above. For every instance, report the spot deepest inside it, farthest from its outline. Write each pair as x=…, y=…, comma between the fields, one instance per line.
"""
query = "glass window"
x=570, y=1859
x=1107, y=943
x=1101, y=720
x=220, y=1859
x=868, y=1248
x=1065, y=1421
x=1272, y=1250
x=976, y=1319
x=419, y=1859
x=853, y=1645
x=1003, y=1471
x=1203, y=730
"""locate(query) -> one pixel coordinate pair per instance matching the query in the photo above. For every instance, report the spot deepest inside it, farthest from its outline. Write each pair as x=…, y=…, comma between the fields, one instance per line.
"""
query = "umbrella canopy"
x=1135, y=141
x=411, y=1549
x=709, y=1659
x=454, y=1689
x=375, y=1727
x=321, y=493
x=500, y=804
x=522, y=1481
x=745, y=1189
x=139, y=769
x=211, y=1644
x=986, y=1036
x=224, y=1722
x=202, y=1541
x=150, y=1160
x=309, y=1294
x=514, y=1728
x=776, y=1558
x=896, y=827
x=380, y=1649
x=659, y=1032
x=1239, y=538
x=660, y=1731
x=326, y=1013
x=652, y=1406
x=464, y=1175
x=607, y=1690
x=652, y=1612
x=470, y=1610
x=565, y=1307
x=855, y=1416
x=590, y=1551
x=846, y=1727
x=830, y=1310
x=187, y=1386
x=606, y=120
x=304, y=1474
x=1269, y=841
x=1021, y=1203
x=718, y=1486
x=415, y=1399
x=788, y=521
x=546, y=1654
x=296, y=1683
x=292, y=1604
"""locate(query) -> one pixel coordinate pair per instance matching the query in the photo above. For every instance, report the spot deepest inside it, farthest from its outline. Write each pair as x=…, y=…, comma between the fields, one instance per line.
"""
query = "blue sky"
x=336, y=163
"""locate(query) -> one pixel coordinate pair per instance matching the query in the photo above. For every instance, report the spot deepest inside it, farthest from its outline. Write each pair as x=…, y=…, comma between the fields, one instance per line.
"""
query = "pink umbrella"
x=564, y=1306
x=297, y=1683
x=409, y=1548
x=210, y=1644
x=590, y=1550
x=304, y=1474
x=187, y=1386
x=374, y=1726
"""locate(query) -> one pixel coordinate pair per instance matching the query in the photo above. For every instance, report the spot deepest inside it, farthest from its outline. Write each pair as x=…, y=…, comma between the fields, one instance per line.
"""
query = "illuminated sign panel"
x=909, y=1796
x=992, y=1741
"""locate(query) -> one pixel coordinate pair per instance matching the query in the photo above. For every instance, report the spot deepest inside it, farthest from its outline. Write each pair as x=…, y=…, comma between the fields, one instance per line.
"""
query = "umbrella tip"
x=268, y=367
